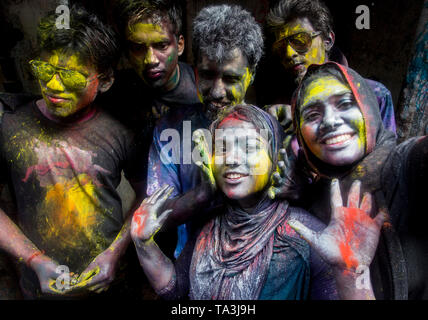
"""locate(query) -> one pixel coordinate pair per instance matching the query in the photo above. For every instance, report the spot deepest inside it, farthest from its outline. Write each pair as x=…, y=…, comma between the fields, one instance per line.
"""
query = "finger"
x=271, y=192
x=154, y=198
x=381, y=218
x=335, y=196
x=283, y=168
x=286, y=142
x=366, y=203
x=162, y=198
x=99, y=287
x=354, y=195
x=276, y=178
x=164, y=216
x=309, y=235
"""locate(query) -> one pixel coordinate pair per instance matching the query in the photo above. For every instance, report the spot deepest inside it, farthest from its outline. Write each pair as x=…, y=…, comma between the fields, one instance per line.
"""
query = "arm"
x=349, y=242
x=146, y=223
x=15, y=243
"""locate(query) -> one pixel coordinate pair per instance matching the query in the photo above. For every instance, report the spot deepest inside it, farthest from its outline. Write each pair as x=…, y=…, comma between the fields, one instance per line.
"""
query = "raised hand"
x=281, y=180
x=206, y=164
x=146, y=222
x=281, y=112
x=351, y=238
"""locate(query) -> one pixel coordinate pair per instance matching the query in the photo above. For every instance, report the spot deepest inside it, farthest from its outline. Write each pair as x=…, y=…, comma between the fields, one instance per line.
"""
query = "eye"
x=161, y=45
x=311, y=116
x=231, y=79
x=136, y=47
x=345, y=104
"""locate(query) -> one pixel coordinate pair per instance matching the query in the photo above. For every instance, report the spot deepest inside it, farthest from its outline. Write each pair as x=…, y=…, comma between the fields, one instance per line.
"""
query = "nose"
x=55, y=83
x=150, y=57
x=233, y=156
x=218, y=90
x=331, y=118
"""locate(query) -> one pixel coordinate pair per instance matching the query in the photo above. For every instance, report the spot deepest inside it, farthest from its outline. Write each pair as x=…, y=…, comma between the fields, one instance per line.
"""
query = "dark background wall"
x=381, y=53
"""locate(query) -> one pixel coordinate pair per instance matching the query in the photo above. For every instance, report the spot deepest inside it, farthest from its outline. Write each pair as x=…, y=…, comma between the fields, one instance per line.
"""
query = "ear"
x=329, y=42
x=180, y=44
x=105, y=83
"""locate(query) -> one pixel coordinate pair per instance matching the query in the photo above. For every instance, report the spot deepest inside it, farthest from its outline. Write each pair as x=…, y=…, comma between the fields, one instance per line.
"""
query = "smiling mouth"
x=234, y=177
x=56, y=99
x=338, y=139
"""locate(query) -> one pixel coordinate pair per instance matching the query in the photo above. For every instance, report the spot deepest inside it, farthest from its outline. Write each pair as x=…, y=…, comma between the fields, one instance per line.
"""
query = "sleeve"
x=386, y=106
x=163, y=164
x=179, y=287
x=322, y=281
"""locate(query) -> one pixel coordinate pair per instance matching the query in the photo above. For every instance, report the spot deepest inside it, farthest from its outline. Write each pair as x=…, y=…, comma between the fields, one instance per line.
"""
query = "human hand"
x=206, y=164
x=282, y=113
x=351, y=238
x=98, y=275
x=46, y=270
x=146, y=222
x=282, y=181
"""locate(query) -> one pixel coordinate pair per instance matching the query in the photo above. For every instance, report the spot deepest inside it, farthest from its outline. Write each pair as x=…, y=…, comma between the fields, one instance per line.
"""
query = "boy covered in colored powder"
x=61, y=157
x=158, y=83
x=303, y=35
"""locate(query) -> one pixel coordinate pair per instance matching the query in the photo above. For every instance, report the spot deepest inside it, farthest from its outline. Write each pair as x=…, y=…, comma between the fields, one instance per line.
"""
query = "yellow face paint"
x=294, y=61
x=331, y=122
x=59, y=100
x=145, y=33
x=153, y=50
x=240, y=89
x=321, y=89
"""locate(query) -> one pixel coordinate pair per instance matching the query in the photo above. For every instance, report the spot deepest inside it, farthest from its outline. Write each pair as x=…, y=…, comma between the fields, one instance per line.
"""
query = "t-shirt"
x=64, y=178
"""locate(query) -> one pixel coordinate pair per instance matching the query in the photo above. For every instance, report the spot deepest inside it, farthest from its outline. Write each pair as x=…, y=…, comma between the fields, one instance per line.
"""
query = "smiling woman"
x=340, y=130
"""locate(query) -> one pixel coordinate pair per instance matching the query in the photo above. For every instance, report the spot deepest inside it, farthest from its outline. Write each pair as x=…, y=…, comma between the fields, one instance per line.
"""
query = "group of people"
x=308, y=197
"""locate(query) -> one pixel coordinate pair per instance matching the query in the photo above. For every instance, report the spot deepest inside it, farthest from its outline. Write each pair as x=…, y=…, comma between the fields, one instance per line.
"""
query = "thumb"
x=306, y=233
x=381, y=218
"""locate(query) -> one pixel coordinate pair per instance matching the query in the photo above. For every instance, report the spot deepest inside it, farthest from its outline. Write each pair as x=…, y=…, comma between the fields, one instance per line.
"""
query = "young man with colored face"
x=227, y=45
x=303, y=35
x=158, y=82
x=61, y=157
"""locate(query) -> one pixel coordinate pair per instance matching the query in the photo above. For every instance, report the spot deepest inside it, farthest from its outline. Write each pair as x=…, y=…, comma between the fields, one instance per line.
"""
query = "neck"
x=250, y=203
x=173, y=81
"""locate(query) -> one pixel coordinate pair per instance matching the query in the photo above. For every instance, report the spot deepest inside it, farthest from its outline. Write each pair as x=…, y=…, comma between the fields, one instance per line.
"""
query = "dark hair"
x=218, y=30
x=133, y=11
x=316, y=11
x=92, y=39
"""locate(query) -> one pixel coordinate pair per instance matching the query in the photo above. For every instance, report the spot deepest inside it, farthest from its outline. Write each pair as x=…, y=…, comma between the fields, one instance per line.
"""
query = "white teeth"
x=338, y=139
x=233, y=175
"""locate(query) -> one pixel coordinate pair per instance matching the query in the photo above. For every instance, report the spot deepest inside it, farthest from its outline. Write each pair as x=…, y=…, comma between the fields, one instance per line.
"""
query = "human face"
x=331, y=123
x=223, y=84
x=295, y=62
x=241, y=163
x=62, y=101
x=153, y=50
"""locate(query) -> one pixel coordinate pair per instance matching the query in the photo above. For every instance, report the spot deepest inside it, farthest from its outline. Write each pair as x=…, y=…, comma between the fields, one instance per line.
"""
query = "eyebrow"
x=318, y=101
